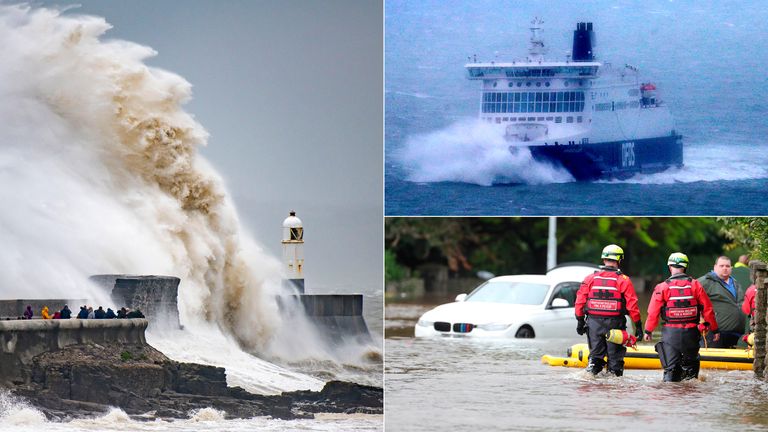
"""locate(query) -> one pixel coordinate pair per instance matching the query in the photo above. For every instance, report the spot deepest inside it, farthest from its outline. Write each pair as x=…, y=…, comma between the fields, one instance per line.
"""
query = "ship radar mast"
x=537, y=50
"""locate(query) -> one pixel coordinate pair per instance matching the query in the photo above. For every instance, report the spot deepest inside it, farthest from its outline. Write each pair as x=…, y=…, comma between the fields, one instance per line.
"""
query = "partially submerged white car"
x=521, y=306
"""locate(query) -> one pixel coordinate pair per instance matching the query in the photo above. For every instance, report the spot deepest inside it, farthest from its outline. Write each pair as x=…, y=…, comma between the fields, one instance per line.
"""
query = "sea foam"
x=471, y=151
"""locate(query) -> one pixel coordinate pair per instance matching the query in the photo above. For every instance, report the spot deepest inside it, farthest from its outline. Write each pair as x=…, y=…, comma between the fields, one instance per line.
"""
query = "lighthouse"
x=293, y=253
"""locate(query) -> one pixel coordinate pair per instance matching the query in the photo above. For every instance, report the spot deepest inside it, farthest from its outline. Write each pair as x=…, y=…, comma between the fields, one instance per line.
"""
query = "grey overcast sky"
x=291, y=94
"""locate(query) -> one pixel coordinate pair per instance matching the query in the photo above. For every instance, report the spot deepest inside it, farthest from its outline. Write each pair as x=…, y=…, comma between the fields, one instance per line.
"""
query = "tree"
x=518, y=245
x=751, y=233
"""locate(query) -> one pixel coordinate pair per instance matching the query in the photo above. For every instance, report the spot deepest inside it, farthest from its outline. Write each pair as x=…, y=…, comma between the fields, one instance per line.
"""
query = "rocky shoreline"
x=85, y=380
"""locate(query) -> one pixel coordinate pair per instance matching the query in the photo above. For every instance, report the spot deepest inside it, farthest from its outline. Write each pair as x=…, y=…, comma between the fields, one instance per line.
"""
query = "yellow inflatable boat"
x=645, y=357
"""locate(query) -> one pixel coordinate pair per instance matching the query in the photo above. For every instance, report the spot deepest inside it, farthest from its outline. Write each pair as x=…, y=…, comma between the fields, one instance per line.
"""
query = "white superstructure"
x=577, y=101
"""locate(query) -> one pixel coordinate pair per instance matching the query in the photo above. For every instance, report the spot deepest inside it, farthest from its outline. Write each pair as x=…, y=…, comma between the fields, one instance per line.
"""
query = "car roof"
x=523, y=277
x=571, y=272
x=555, y=275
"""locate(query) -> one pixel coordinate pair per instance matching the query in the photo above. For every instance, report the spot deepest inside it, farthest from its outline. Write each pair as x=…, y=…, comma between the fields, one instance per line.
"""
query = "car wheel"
x=525, y=332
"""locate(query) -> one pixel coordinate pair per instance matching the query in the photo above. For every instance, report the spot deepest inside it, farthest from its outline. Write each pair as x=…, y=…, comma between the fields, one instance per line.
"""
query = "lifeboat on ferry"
x=648, y=95
x=645, y=357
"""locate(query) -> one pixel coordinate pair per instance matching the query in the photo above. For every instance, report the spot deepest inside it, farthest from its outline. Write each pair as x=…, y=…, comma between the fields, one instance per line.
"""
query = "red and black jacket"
x=681, y=302
x=607, y=293
x=681, y=306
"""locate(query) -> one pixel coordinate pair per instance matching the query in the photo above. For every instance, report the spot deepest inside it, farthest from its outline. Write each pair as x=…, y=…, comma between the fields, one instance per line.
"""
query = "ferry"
x=595, y=119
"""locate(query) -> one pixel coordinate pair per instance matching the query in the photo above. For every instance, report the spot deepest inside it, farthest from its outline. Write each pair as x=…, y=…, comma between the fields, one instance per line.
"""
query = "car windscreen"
x=509, y=292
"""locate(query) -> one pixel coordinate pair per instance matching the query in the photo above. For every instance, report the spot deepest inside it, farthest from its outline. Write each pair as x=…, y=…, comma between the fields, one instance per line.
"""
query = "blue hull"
x=616, y=159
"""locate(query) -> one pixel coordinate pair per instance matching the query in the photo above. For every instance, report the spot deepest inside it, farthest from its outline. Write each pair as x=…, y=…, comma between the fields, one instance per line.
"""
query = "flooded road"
x=449, y=384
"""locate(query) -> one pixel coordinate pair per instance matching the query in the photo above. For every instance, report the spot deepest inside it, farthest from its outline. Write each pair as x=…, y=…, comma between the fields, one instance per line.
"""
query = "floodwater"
x=468, y=385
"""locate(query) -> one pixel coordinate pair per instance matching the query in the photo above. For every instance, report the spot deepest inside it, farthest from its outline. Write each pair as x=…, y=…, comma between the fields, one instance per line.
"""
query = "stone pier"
x=155, y=296
x=80, y=368
x=22, y=340
x=339, y=316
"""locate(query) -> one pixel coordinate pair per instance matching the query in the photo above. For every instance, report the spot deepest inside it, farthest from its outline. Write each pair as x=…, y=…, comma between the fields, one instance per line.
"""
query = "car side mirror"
x=560, y=303
x=461, y=297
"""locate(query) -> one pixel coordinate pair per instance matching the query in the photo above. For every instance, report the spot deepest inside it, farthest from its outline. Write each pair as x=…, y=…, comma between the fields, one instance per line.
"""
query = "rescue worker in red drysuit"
x=602, y=302
x=748, y=307
x=681, y=302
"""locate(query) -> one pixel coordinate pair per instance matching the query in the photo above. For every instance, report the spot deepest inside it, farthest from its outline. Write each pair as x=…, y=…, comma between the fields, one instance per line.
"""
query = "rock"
x=80, y=380
x=351, y=393
x=201, y=380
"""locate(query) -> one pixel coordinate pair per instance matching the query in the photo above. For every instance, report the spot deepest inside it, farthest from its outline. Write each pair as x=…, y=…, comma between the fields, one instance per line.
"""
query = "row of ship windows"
x=613, y=106
x=516, y=102
x=551, y=71
x=477, y=72
x=580, y=83
x=523, y=107
x=558, y=119
x=573, y=96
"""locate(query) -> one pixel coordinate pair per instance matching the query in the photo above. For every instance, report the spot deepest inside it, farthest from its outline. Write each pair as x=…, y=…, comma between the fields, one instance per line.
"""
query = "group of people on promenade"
x=86, y=312
x=709, y=311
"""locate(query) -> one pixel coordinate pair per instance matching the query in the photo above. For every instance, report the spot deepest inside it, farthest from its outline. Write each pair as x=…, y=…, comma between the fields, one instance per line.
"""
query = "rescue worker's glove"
x=581, y=327
x=703, y=327
x=639, y=329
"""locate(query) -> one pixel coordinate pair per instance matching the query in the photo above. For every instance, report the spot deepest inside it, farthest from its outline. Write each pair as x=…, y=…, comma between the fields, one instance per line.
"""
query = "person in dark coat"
x=740, y=271
x=122, y=313
x=99, y=313
x=66, y=313
x=83, y=314
x=135, y=314
x=726, y=295
x=110, y=314
x=28, y=314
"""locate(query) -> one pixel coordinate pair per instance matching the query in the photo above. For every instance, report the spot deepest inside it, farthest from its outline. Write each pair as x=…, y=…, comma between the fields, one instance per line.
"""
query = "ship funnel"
x=583, y=40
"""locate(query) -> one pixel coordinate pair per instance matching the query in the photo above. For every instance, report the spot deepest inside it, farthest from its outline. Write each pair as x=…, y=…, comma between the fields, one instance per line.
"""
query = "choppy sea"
x=440, y=161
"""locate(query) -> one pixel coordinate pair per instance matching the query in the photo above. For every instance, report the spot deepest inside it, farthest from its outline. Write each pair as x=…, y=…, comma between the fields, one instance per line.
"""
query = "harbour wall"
x=340, y=315
x=22, y=340
x=156, y=296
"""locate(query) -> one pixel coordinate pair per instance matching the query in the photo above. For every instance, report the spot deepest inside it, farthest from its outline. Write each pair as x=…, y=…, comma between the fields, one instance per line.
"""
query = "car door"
x=561, y=320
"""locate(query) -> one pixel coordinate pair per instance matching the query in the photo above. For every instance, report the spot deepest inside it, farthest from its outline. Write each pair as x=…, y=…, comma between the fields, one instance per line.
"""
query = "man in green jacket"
x=726, y=296
x=741, y=271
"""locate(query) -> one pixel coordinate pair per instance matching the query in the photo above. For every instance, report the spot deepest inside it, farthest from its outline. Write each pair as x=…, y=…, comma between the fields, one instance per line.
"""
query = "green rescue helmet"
x=612, y=252
x=678, y=259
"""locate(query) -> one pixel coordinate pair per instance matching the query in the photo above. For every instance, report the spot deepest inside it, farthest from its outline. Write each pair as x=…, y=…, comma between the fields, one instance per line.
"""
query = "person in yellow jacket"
x=45, y=313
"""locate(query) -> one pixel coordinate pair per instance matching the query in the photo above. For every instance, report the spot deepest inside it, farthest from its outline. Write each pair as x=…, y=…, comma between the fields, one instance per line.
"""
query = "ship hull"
x=615, y=159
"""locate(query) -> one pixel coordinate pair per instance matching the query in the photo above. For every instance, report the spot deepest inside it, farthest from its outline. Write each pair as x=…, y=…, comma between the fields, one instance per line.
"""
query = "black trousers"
x=727, y=340
x=597, y=327
x=679, y=353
